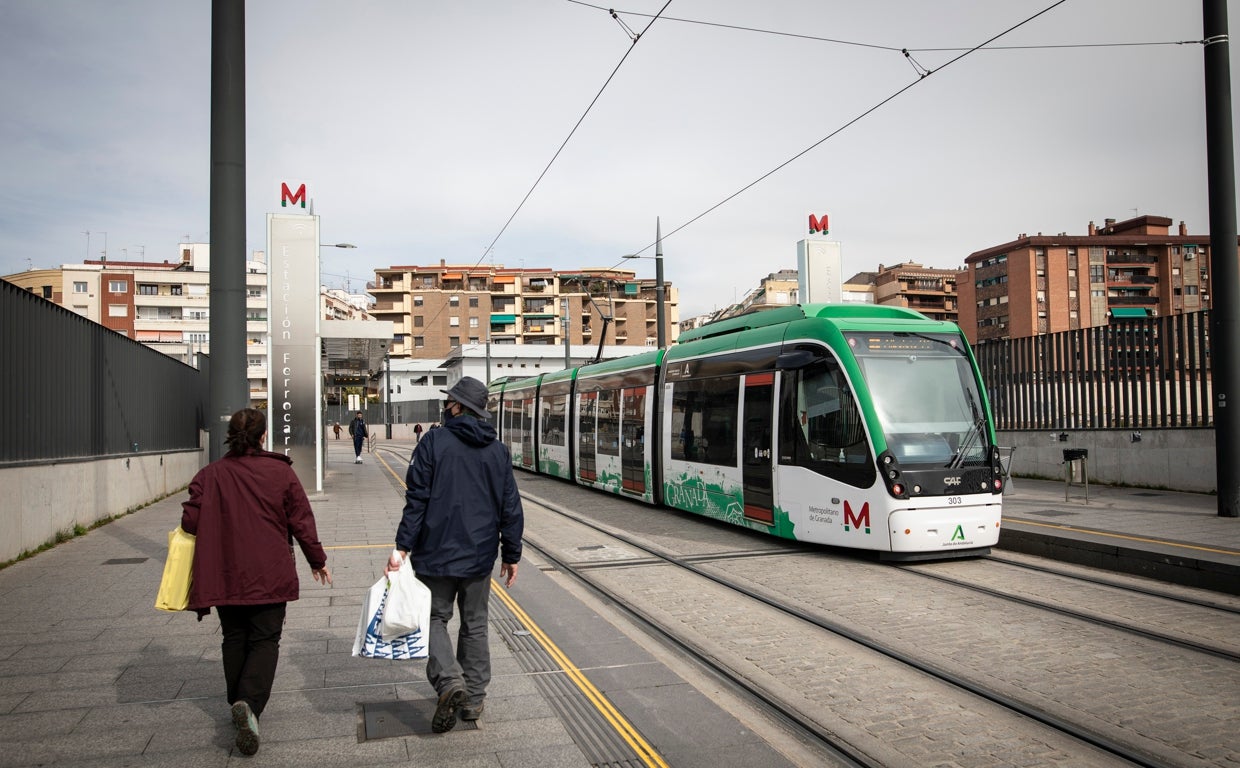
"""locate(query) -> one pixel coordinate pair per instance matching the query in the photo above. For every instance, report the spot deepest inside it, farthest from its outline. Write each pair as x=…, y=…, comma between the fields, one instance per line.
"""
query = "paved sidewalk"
x=1167, y=535
x=92, y=675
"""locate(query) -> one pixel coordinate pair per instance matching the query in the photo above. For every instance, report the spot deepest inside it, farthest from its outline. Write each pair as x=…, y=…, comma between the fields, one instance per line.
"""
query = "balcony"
x=1131, y=258
x=1132, y=301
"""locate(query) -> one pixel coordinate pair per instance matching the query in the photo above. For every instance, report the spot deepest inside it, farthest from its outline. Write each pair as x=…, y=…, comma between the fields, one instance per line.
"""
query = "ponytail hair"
x=245, y=431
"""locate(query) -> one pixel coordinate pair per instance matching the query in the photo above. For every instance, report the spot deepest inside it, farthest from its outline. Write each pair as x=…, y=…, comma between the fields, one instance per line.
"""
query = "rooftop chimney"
x=1183, y=230
x=1093, y=230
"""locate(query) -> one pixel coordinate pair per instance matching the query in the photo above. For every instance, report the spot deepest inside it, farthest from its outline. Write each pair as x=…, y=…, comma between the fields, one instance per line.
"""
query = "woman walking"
x=245, y=510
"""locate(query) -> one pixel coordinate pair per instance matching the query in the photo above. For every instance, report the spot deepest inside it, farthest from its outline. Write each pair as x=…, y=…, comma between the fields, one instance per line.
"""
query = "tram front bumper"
x=942, y=531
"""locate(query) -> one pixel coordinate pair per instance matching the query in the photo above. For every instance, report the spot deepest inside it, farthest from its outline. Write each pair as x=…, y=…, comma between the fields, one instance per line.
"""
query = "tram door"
x=633, y=440
x=756, y=443
x=527, y=432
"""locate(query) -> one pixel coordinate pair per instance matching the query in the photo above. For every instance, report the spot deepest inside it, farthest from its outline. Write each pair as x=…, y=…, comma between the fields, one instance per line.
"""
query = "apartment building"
x=928, y=290
x=774, y=290
x=435, y=309
x=1039, y=283
x=165, y=305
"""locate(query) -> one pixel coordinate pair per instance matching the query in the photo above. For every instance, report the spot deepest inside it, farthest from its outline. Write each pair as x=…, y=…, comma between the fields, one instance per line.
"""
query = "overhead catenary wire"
x=881, y=47
x=853, y=121
x=580, y=120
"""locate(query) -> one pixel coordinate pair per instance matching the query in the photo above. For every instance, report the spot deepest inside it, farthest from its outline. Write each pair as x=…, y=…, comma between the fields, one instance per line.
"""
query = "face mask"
x=447, y=413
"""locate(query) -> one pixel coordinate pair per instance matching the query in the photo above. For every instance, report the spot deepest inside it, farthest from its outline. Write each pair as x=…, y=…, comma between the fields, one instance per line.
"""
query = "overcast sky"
x=420, y=126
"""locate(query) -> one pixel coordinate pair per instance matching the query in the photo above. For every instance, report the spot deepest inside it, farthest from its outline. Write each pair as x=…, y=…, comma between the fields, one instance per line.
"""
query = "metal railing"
x=73, y=388
x=1132, y=373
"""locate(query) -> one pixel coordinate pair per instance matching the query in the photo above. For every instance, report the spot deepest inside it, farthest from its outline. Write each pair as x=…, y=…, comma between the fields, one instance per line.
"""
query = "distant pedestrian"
x=461, y=511
x=417, y=433
x=359, y=433
x=245, y=510
x=336, y=429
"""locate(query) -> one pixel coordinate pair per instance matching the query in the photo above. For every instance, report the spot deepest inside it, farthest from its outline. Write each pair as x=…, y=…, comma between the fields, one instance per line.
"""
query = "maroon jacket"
x=246, y=510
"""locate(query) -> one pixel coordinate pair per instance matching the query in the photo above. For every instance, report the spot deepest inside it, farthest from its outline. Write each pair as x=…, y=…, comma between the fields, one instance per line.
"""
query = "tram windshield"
x=925, y=396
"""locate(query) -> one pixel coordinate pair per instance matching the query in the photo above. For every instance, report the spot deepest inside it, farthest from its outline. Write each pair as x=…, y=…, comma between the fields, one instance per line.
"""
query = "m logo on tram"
x=857, y=521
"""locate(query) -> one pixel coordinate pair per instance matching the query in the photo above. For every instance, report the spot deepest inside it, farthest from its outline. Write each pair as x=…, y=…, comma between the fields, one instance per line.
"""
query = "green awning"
x=1130, y=312
x=503, y=319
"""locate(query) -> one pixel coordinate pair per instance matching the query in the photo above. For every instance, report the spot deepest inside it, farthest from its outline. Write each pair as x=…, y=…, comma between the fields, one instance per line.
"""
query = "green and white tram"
x=851, y=425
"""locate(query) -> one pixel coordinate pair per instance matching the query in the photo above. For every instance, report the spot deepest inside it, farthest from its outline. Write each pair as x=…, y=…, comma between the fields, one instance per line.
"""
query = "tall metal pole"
x=1224, y=265
x=387, y=392
x=658, y=283
x=568, y=356
x=228, y=386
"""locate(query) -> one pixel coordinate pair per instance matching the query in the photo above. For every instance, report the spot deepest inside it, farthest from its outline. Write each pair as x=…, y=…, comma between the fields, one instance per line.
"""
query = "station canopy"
x=353, y=350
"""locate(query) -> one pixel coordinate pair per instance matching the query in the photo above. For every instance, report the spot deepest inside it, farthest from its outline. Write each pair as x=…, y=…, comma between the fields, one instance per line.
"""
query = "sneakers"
x=445, y=712
x=472, y=712
x=247, y=728
x=358, y=460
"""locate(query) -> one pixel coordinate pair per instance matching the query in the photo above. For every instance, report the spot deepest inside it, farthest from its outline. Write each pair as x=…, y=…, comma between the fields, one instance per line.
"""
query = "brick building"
x=435, y=309
x=1039, y=284
x=927, y=290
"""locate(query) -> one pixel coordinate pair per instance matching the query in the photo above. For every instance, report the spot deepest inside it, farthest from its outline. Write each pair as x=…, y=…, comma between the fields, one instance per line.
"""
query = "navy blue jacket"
x=461, y=502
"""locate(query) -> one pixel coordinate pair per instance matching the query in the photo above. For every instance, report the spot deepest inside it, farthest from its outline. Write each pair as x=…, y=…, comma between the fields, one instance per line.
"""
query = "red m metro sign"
x=288, y=196
x=818, y=226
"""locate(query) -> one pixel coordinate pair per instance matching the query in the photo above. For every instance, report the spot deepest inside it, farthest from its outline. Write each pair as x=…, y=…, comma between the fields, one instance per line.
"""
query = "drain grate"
x=1050, y=512
x=126, y=560
x=408, y=717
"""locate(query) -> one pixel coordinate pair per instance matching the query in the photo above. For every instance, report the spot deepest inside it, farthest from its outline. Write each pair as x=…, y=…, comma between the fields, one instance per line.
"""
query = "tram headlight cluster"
x=891, y=474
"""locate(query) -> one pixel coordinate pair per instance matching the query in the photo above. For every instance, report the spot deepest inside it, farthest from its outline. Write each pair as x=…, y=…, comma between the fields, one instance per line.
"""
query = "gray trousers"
x=471, y=662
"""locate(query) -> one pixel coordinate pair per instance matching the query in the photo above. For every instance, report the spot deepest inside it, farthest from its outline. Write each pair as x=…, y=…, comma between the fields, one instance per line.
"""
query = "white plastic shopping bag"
x=408, y=605
x=371, y=643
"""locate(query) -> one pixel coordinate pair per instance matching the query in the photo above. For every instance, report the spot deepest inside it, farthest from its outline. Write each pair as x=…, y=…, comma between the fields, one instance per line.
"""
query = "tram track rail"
x=1094, y=618
x=1117, y=583
x=1076, y=731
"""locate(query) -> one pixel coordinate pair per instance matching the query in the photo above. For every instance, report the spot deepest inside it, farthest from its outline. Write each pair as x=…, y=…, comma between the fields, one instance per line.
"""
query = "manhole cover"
x=1050, y=512
x=126, y=560
x=392, y=719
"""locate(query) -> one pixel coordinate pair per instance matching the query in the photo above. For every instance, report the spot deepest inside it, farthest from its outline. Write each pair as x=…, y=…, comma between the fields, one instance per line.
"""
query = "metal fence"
x=73, y=388
x=1134, y=373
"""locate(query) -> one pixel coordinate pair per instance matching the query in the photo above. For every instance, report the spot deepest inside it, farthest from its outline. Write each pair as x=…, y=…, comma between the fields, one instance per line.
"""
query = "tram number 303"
x=954, y=500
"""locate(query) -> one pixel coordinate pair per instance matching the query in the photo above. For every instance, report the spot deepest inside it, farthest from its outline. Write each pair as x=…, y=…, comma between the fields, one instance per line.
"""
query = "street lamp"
x=658, y=293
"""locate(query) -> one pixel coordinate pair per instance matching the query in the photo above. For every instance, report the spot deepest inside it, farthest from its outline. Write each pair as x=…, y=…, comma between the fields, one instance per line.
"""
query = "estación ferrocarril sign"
x=294, y=381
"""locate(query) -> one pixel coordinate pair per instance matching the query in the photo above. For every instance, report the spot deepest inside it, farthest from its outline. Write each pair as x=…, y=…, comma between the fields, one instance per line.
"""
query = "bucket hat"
x=470, y=393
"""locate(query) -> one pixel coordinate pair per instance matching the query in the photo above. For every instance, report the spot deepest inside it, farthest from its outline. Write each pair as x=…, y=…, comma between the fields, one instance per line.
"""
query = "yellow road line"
x=1126, y=537
x=640, y=746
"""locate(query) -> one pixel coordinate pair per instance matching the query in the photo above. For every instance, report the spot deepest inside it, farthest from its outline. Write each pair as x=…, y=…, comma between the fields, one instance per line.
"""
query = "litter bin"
x=1070, y=458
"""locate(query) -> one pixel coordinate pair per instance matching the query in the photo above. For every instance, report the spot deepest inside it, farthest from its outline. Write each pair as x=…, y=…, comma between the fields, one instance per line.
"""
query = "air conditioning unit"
x=1190, y=256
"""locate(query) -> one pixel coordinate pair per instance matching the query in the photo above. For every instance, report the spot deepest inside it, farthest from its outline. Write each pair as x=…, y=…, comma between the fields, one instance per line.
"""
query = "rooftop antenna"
x=141, y=252
x=105, y=247
x=87, y=233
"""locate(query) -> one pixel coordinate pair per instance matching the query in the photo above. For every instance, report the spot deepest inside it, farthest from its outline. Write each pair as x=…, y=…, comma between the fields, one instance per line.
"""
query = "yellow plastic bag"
x=178, y=572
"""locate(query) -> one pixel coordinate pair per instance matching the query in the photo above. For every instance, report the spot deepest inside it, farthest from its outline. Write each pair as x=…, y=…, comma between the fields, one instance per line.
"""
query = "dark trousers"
x=251, y=648
x=357, y=444
x=471, y=662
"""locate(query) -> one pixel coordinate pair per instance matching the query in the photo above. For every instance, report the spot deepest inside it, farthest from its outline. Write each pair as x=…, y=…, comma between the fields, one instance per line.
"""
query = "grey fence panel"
x=1134, y=373
x=72, y=388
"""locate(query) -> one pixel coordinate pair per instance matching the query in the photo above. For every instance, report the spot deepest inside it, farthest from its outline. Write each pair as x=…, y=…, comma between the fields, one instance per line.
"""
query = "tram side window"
x=553, y=420
x=703, y=420
x=609, y=422
x=821, y=427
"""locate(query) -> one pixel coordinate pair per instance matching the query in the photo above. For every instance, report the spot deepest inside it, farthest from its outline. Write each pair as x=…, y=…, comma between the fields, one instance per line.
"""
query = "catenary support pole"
x=659, y=291
x=1224, y=264
x=229, y=389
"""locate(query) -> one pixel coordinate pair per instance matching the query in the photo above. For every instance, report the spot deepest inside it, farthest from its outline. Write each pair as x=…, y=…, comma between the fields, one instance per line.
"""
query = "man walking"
x=358, y=431
x=461, y=510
